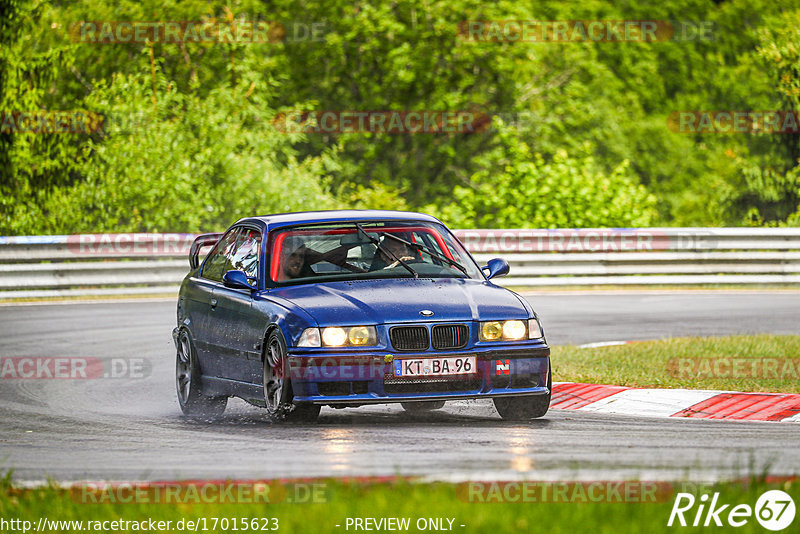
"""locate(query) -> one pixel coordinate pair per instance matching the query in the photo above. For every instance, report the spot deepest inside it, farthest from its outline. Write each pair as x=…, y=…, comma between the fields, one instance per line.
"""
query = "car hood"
x=401, y=300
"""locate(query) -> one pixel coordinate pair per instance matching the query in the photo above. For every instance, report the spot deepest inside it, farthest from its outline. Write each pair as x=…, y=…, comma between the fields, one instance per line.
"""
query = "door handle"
x=213, y=303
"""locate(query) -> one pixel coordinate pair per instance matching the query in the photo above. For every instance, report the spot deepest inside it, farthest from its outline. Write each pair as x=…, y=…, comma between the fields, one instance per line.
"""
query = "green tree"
x=598, y=110
x=31, y=165
x=780, y=50
x=166, y=160
x=519, y=189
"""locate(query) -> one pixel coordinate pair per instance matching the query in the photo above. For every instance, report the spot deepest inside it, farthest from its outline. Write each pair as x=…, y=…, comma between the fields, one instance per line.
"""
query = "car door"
x=238, y=327
x=205, y=330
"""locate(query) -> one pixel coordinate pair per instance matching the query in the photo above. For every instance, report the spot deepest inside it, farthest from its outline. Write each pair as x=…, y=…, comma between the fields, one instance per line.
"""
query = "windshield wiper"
x=377, y=243
x=433, y=254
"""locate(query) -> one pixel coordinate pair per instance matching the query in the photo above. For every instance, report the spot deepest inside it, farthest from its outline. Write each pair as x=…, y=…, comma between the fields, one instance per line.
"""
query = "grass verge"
x=574, y=510
x=760, y=363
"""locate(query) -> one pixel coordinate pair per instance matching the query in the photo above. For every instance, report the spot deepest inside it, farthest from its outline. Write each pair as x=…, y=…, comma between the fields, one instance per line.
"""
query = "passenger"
x=294, y=265
x=297, y=264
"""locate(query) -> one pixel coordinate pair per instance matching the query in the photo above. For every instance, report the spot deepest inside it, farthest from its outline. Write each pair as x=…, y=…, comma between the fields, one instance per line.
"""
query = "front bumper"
x=340, y=378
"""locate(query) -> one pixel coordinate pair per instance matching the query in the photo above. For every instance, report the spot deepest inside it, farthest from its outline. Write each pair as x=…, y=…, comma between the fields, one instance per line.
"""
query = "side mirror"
x=496, y=267
x=236, y=280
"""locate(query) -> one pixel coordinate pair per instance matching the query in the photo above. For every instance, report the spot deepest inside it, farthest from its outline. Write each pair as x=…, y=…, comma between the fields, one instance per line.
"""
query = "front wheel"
x=187, y=382
x=527, y=407
x=278, y=386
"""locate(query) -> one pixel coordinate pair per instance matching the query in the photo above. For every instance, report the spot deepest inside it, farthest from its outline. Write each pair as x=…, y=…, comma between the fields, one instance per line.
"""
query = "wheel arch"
x=270, y=328
x=184, y=327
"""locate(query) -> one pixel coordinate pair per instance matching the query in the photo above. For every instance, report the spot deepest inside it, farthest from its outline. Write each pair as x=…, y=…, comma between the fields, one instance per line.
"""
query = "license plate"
x=458, y=365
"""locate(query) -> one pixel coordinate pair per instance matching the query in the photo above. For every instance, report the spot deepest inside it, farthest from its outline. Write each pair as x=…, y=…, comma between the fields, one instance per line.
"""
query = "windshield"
x=346, y=251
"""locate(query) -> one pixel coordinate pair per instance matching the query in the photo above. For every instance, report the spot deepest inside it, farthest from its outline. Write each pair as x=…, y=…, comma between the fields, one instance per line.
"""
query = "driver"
x=400, y=250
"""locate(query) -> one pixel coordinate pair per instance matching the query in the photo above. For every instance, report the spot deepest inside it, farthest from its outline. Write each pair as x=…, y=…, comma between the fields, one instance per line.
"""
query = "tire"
x=527, y=407
x=278, y=387
x=187, y=383
x=422, y=406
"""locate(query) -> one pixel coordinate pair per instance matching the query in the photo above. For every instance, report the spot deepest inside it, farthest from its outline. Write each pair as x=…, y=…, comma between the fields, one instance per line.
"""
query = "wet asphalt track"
x=130, y=429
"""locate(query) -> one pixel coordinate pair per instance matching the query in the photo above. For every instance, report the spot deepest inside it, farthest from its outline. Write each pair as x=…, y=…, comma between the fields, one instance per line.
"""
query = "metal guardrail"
x=129, y=264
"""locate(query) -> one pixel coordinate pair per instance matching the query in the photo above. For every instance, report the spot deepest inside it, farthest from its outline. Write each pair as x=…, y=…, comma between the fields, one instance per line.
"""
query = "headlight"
x=337, y=336
x=513, y=330
x=334, y=336
x=309, y=338
x=361, y=335
x=491, y=331
x=534, y=329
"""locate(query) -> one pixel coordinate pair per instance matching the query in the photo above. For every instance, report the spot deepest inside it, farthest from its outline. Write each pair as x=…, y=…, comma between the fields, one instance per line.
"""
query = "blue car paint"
x=530, y=358
x=229, y=336
x=399, y=300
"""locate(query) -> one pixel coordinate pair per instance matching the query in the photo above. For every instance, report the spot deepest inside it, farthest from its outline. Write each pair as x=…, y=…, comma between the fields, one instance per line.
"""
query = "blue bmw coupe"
x=297, y=311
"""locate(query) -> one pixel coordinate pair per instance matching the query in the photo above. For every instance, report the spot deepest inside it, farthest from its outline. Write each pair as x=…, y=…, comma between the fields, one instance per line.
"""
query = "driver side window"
x=245, y=253
x=219, y=260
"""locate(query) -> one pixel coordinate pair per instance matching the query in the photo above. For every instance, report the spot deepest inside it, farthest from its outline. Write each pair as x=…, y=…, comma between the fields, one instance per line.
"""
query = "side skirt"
x=252, y=393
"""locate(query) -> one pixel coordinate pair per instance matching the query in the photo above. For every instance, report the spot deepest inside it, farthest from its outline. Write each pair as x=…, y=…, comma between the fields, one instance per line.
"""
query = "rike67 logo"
x=774, y=510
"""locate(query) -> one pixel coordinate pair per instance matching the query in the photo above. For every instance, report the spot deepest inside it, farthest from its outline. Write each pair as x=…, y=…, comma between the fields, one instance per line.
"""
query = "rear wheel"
x=187, y=382
x=278, y=386
x=527, y=407
x=422, y=406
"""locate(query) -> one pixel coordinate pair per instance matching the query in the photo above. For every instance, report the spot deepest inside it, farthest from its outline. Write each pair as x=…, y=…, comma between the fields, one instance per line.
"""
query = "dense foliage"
x=579, y=135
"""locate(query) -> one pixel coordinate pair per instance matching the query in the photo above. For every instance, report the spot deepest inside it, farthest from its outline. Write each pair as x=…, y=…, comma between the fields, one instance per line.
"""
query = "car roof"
x=301, y=217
